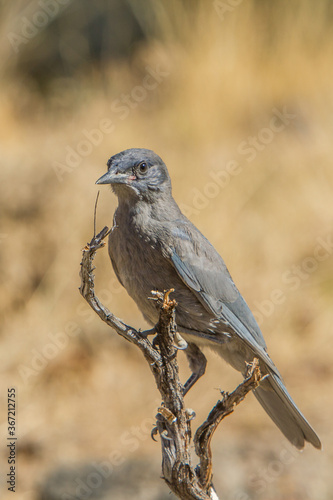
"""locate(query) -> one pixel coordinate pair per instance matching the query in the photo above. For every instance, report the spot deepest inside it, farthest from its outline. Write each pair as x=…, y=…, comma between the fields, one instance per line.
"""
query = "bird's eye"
x=143, y=167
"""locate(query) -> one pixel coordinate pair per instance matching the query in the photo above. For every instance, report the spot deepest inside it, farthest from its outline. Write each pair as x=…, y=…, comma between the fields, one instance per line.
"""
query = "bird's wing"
x=113, y=262
x=203, y=270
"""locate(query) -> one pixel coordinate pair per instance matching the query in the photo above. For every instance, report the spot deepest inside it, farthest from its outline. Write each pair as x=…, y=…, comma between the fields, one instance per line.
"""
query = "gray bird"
x=153, y=246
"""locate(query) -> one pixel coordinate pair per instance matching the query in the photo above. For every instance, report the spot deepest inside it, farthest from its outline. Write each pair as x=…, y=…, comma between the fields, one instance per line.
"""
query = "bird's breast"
x=141, y=267
x=141, y=263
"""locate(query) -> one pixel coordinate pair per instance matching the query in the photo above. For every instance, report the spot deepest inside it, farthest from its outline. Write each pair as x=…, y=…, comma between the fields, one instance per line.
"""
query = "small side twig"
x=222, y=409
x=95, y=212
x=173, y=420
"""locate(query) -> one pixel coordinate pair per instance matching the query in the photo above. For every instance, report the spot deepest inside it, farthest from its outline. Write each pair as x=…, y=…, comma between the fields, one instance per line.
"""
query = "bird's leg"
x=197, y=362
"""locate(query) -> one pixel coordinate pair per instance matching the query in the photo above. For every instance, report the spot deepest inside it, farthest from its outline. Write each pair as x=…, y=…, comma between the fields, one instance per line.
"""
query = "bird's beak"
x=112, y=177
x=105, y=179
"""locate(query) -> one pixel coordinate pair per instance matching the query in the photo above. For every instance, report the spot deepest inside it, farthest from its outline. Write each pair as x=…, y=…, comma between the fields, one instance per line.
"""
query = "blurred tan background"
x=237, y=98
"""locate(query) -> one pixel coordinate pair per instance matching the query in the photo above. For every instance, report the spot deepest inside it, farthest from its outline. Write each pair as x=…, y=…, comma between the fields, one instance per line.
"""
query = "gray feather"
x=274, y=398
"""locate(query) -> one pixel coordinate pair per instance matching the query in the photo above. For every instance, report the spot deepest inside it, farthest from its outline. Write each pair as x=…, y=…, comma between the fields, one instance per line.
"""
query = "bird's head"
x=138, y=173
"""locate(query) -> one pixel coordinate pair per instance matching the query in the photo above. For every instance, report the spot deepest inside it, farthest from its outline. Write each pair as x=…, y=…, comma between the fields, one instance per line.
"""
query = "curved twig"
x=173, y=421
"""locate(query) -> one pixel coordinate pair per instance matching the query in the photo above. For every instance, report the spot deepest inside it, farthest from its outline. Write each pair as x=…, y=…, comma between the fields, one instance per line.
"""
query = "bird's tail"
x=274, y=398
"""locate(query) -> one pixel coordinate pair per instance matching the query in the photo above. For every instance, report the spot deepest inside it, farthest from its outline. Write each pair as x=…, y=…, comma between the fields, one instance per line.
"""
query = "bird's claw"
x=179, y=342
x=190, y=414
x=154, y=433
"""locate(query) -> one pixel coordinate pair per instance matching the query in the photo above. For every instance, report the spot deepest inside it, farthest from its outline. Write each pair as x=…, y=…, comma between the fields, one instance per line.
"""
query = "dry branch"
x=173, y=420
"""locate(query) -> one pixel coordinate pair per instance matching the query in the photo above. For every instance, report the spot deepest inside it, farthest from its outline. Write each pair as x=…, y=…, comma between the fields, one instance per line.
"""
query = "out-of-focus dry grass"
x=224, y=77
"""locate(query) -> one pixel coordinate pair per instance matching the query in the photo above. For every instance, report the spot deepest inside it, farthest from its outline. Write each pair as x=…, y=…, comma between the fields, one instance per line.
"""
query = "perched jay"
x=153, y=246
